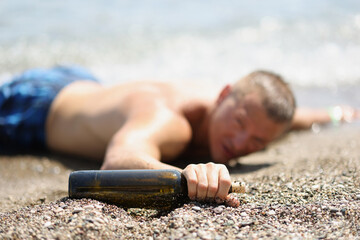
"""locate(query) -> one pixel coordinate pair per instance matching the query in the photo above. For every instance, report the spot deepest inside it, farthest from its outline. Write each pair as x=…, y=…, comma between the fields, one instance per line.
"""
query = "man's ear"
x=224, y=93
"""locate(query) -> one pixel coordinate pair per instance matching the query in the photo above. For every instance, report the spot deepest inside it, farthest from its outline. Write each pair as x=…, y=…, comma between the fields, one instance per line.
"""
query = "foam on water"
x=310, y=43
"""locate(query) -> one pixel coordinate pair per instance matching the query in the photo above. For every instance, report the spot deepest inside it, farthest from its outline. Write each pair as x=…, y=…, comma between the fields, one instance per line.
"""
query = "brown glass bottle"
x=154, y=189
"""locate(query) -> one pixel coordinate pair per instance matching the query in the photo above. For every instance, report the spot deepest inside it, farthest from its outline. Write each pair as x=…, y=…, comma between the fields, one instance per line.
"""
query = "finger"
x=213, y=181
x=348, y=113
x=232, y=201
x=224, y=183
x=192, y=180
x=357, y=114
x=202, y=185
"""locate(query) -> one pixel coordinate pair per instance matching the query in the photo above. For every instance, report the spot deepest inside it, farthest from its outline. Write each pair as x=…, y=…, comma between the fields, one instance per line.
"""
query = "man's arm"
x=137, y=145
x=140, y=155
x=141, y=144
x=305, y=117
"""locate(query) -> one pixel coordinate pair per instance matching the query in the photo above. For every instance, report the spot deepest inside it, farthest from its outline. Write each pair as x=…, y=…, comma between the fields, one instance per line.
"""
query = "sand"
x=306, y=185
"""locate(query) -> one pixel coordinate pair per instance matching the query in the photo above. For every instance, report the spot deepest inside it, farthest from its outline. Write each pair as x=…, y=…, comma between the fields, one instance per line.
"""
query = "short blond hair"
x=277, y=97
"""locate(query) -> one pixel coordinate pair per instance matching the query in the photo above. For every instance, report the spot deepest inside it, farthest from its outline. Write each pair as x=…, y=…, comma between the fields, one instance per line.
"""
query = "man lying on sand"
x=143, y=125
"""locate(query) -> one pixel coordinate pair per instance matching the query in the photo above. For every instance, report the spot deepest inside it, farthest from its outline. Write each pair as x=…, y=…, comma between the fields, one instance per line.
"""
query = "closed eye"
x=240, y=122
x=258, y=143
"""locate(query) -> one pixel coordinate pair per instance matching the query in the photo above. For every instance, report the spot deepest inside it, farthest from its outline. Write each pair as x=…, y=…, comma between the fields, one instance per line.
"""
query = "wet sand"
x=306, y=185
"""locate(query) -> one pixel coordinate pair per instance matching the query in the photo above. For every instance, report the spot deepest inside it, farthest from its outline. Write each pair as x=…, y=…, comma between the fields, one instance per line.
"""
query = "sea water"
x=314, y=45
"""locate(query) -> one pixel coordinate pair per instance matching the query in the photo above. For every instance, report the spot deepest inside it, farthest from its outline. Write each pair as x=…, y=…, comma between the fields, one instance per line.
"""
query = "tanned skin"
x=146, y=125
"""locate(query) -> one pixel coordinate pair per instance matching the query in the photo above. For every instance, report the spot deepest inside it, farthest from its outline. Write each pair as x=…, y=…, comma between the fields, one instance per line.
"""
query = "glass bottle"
x=154, y=189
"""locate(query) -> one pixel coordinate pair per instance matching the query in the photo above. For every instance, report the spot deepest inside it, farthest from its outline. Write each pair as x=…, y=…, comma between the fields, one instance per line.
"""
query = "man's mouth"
x=228, y=153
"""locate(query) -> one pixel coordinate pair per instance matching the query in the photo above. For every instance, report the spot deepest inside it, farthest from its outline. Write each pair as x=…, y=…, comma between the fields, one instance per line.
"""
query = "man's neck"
x=198, y=116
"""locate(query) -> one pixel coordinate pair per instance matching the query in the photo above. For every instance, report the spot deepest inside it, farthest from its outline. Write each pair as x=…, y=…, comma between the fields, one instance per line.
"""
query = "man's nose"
x=240, y=141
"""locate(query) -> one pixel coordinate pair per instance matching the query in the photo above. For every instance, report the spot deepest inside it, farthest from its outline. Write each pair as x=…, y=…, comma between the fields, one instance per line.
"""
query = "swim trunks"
x=25, y=102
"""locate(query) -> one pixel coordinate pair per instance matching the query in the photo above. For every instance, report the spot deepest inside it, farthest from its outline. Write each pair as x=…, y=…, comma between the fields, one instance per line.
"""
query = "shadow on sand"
x=70, y=162
x=78, y=163
x=241, y=168
x=238, y=168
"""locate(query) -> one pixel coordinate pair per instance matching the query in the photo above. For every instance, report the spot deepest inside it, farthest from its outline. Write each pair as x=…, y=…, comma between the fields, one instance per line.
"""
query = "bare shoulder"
x=161, y=125
x=153, y=113
x=174, y=136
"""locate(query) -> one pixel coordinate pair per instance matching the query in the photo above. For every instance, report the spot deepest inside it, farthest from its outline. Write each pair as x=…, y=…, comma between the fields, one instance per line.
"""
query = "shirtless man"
x=143, y=125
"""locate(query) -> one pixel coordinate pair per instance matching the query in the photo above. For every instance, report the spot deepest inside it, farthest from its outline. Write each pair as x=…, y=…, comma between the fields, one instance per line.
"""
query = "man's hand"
x=344, y=113
x=208, y=182
x=304, y=118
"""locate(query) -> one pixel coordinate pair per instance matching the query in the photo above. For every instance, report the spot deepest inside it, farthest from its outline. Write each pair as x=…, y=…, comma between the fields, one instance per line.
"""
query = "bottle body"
x=156, y=189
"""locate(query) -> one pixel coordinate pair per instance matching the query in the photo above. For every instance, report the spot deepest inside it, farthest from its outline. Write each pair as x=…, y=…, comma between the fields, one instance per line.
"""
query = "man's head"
x=250, y=114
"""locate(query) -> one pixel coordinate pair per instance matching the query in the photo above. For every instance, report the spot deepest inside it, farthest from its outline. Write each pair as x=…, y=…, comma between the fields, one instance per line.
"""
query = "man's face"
x=240, y=127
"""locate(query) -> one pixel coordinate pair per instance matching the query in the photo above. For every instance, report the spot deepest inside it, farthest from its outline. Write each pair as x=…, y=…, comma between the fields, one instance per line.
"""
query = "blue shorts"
x=25, y=102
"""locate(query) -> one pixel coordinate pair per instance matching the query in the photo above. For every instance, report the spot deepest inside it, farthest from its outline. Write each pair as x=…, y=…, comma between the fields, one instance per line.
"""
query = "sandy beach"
x=306, y=185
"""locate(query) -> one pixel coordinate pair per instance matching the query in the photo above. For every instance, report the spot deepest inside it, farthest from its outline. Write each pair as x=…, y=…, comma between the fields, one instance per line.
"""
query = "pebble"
x=343, y=211
x=196, y=208
x=89, y=220
x=99, y=220
x=89, y=207
x=77, y=210
x=55, y=170
x=38, y=168
x=271, y=212
x=10, y=198
x=357, y=197
x=243, y=224
x=204, y=235
x=230, y=223
x=47, y=224
x=333, y=209
x=219, y=209
x=129, y=226
x=339, y=214
x=297, y=221
x=59, y=209
x=315, y=187
x=243, y=214
x=218, y=237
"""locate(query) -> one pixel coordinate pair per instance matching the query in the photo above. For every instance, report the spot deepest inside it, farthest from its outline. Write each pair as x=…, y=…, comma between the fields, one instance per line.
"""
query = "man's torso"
x=85, y=115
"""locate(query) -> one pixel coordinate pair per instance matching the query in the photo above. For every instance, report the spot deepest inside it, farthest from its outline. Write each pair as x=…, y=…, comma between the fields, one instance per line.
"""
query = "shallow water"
x=315, y=45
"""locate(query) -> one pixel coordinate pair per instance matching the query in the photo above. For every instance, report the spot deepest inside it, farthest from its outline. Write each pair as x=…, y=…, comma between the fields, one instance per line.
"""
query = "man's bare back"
x=85, y=115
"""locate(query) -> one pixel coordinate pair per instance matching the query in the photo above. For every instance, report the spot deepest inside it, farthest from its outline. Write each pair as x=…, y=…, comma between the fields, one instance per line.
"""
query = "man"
x=143, y=125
